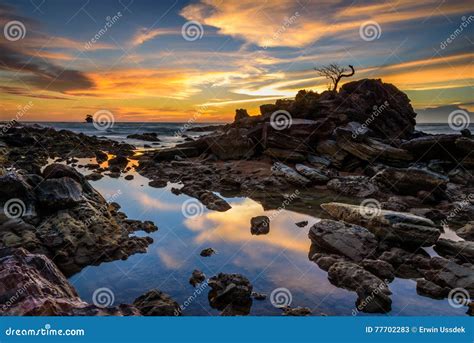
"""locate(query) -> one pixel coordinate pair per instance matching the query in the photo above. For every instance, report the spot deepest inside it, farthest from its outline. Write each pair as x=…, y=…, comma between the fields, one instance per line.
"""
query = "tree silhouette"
x=335, y=73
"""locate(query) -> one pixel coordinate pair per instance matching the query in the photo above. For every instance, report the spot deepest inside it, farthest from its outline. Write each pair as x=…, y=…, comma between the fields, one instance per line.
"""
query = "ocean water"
x=276, y=261
x=170, y=133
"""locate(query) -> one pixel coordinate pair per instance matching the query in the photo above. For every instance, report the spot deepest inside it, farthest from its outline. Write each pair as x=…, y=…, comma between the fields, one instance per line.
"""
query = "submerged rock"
x=156, y=303
x=197, y=277
x=389, y=225
x=260, y=225
x=207, y=252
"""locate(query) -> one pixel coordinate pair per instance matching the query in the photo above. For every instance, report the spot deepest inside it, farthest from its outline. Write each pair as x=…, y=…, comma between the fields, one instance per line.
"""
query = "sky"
x=177, y=61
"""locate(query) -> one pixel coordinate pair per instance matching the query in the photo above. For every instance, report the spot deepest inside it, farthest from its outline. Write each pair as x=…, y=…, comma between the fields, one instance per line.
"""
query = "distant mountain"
x=439, y=114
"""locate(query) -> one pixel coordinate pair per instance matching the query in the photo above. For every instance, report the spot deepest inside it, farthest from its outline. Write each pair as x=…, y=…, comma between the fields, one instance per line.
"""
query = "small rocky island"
x=404, y=187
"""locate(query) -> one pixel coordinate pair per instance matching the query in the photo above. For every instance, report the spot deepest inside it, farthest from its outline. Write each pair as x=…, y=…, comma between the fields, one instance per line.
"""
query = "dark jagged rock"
x=357, y=186
x=407, y=264
x=296, y=311
x=231, y=145
x=240, y=114
x=302, y=223
x=373, y=293
x=207, y=252
x=197, y=277
x=156, y=303
x=388, y=225
x=462, y=250
x=31, y=285
x=230, y=292
x=430, y=289
x=58, y=194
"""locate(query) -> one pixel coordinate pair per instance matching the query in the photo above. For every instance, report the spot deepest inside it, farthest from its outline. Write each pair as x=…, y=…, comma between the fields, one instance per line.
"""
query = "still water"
x=278, y=259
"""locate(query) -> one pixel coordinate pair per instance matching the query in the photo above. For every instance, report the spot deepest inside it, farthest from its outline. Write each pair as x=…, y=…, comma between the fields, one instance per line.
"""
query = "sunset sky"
x=146, y=67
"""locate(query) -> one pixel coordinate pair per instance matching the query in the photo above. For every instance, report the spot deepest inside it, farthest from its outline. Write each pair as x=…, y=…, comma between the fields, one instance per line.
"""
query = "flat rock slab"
x=352, y=241
x=390, y=225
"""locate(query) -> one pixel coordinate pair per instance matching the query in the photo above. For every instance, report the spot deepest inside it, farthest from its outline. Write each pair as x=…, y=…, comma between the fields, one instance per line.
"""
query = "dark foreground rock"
x=156, y=303
x=31, y=285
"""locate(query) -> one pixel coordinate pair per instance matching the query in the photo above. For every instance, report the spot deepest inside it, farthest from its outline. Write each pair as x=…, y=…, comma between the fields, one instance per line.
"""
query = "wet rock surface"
x=230, y=293
x=156, y=303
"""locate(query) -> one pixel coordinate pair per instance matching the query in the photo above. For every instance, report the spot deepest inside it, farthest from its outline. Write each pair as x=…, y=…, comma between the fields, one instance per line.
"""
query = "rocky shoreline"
x=405, y=187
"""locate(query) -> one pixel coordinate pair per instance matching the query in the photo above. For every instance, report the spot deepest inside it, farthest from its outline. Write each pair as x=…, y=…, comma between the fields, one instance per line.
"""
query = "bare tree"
x=335, y=73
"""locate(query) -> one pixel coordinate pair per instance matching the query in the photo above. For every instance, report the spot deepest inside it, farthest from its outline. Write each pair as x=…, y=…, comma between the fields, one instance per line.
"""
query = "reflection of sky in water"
x=278, y=259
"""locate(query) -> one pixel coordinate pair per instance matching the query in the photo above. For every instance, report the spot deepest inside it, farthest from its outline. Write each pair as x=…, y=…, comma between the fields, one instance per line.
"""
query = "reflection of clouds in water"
x=169, y=261
x=150, y=202
x=234, y=226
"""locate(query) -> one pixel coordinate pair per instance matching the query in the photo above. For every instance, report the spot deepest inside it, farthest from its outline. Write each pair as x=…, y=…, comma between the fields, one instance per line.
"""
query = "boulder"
x=430, y=289
x=352, y=241
x=240, y=114
x=387, y=225
x=407, y=264
x=260, y=225
x=57, y=194
x=32, y=285
x=197, y=277
x=373, y=293
x=446, y=273
x=230, y=292
x=467, y=231
x=156, y=303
